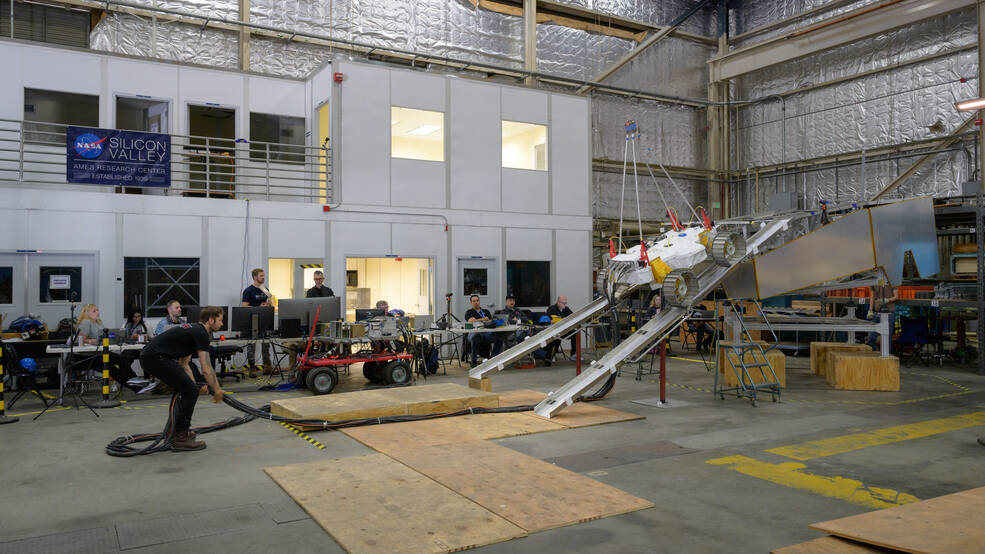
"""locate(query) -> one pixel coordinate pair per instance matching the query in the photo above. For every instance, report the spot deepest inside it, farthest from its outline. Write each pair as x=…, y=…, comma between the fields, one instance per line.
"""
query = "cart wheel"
x=723, y=396
x=397, y=373
x=754, y=403
x=774, y=398
x=322, y=380
x=372, y=373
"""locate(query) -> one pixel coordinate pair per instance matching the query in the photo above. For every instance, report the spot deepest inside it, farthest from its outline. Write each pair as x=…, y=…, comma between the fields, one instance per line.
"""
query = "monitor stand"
x=255, y=326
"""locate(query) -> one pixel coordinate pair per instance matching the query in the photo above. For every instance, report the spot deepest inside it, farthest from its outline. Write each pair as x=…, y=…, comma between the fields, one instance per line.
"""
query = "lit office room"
x=492, y=275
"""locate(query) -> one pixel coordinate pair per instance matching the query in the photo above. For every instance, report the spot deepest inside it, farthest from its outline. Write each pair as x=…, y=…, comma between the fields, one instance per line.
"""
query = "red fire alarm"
x=337, y=77
x=978, y=122
x=326, y=208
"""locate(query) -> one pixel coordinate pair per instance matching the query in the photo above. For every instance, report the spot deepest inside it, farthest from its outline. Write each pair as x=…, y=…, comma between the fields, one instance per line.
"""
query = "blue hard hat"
x=544, y=319
x=29, y=364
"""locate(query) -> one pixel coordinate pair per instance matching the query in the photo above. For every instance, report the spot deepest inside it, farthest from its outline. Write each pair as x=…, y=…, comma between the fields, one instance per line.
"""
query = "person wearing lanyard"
x=257, y=295
x=480, y=315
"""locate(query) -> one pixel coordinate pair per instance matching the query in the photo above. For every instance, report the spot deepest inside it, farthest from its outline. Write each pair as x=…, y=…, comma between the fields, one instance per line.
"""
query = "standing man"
x=172, y=319
x=257, y=295
x=319, y=290
x=480, y=315
x=559, y=310
x=166, y=357
x=883, y=301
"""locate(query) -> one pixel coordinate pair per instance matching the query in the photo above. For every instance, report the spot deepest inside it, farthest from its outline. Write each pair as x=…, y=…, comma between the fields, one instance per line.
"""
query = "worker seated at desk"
x=704, y=332
x=172, y=319
x=479, y=315
x=90, y=332
x=319, y=290
x=515, y=316
x=557, y=312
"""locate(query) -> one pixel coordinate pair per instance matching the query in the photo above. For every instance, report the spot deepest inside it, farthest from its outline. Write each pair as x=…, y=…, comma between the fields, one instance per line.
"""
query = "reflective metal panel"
x=904, y=226
x=741, y=281
x=840, y=248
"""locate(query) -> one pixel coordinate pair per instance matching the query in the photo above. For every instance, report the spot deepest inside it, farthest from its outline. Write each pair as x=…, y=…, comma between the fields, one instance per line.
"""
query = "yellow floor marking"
x=789, y=475
x=888, y=435
x=686, y=359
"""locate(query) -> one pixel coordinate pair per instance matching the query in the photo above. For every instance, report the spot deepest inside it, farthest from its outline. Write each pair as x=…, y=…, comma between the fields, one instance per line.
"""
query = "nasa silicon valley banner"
x=120, y=158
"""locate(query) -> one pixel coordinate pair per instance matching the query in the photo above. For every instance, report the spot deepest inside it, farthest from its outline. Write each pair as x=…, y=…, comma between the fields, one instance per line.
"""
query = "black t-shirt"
x=315, y=292
x=476, y=314
x=254, y=296
x=179, y=341
x=552, y=310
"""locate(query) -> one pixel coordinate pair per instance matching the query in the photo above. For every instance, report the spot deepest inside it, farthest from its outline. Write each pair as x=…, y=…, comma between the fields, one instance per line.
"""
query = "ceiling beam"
x=833, y=32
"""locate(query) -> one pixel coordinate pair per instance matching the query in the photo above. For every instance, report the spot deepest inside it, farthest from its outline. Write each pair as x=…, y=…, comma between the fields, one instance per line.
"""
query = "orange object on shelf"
x=909, y=292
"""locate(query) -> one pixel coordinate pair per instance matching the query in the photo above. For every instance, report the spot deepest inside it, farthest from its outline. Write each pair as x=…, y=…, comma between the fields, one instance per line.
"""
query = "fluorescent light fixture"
x=969, y=105
x=424, y=130
x=393, y=122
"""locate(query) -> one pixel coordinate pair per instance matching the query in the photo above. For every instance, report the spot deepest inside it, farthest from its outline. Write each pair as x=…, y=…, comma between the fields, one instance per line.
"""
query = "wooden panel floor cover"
x=579, y=414
x=830, y=545
x=375, y=504
x=954, y=524
x=526, y=491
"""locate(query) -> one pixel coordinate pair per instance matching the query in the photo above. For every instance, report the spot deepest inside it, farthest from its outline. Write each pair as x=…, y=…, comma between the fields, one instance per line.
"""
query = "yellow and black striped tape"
x=311, y=266
x=303, y=435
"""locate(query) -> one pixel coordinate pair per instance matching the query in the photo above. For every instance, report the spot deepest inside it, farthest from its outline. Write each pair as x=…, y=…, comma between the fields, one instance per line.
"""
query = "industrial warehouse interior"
x=494, y=275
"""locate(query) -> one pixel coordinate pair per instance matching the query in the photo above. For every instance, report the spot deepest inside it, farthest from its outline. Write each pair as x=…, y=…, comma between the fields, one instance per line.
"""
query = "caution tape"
x=303, y=435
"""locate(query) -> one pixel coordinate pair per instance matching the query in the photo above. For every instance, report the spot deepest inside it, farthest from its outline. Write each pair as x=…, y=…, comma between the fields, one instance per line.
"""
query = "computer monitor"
x=294, y=308
x=331, y=309
x=247, y=325
x=192, y=312
x=362, y=315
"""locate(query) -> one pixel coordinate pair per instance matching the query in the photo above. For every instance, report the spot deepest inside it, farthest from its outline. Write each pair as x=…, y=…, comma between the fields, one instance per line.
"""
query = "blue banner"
x=120, y=158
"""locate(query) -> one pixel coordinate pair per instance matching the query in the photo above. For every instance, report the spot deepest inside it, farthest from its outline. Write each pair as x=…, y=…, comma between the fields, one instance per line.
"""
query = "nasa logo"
x=89, y=146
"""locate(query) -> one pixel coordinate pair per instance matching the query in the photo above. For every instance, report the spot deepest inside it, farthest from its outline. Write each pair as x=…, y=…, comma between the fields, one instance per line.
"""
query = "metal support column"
x=106, y=401
x=530, y=38
x=244, y=35
x=979, y=209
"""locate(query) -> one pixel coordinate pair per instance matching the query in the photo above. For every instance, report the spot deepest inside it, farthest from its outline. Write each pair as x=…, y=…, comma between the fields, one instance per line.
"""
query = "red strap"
x=311, y=335
x=707, y=220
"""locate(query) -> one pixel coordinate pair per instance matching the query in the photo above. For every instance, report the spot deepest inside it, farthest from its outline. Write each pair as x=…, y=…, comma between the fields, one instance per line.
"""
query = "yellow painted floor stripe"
x=686, y=359
x=790, y=475
x=888, y=435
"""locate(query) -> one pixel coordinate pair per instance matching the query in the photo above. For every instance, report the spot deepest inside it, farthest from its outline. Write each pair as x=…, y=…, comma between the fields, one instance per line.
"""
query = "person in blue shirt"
x=478, y=315
x=257, y=295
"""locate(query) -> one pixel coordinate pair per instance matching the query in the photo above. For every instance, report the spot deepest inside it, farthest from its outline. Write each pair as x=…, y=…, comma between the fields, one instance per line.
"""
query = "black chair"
x=223, y=353
x=689, y=330
x=25, y=379
x=914, y=332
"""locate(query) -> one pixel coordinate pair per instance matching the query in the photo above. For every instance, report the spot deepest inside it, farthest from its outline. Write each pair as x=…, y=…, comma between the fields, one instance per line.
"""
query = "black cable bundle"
x=604, y=390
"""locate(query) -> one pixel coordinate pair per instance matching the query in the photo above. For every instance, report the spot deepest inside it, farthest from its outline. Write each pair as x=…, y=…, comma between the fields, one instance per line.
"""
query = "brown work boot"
x=268, y=369
x=253, y=371
x=184, y=441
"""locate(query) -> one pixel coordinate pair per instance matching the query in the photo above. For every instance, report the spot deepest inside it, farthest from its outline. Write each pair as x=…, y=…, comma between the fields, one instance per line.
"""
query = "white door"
x=56, y=281
x=477, y=276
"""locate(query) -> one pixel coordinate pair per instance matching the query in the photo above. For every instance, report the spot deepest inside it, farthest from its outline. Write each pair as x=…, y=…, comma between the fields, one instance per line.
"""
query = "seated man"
x=559, y=310
x=478, y=315
x=705, y=334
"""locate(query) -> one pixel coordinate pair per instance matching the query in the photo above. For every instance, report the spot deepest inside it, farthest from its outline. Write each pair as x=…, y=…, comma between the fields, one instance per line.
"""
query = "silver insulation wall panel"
x=607, y=191
x=894, y=106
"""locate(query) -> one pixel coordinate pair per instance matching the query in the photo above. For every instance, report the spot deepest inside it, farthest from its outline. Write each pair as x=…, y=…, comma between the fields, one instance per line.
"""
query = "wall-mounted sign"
x=119, y=158
x=59, y=282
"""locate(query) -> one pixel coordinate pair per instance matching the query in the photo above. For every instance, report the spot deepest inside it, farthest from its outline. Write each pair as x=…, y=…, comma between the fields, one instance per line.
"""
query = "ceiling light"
x=393, y=122
x=969, y=105
x=424, y=130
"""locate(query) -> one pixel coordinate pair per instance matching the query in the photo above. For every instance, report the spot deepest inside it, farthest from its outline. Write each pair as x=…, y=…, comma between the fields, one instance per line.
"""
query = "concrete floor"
x=62, y=493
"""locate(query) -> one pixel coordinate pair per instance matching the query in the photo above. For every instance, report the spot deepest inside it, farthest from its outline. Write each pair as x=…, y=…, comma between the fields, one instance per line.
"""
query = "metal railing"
x=34, y=153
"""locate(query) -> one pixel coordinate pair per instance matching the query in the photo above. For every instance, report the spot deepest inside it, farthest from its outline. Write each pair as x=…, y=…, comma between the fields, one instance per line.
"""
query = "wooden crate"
x=863, y=371
x=776, y=359
x=820, y=350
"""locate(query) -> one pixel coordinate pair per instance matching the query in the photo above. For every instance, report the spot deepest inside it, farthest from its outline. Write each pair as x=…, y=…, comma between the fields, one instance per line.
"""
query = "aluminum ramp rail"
x=652, y=332
x=571, y=323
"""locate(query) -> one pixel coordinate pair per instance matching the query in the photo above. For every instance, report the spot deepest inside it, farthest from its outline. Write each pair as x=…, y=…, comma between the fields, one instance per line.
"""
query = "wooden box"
x=820, y=351
x=863, y=371
x=775, y=358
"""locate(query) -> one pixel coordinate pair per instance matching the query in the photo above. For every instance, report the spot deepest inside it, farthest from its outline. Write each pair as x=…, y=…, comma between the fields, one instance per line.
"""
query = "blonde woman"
x=90, y=327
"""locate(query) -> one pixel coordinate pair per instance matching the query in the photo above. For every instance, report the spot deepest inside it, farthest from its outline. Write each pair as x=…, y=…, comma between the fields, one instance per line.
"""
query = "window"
x=6, y=285
x=351, y=278
x=46, y=23
x=280, y=136
x=529, y=282
x=138, y=114
x=149, y=283
x=524, y=145
x=63, y=108
x=417, y=134
x=476, y=282
x=60, y=284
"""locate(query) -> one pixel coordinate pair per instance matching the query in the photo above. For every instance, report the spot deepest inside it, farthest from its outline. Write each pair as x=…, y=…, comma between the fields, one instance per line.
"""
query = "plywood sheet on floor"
x=376, y=504
x=953, y=524
x=579, y=414
x=416, y=400
x=830, y=545
x=415, y=434
x=530, y=493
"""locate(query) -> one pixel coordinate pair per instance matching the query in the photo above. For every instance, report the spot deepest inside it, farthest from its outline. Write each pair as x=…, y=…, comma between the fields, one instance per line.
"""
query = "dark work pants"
x=171, y=372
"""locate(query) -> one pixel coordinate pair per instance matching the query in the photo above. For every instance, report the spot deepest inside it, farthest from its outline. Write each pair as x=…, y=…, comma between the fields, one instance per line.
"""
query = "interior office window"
x=279, y=136
x=59, y=284
x=476, y=281
x=524, y=145
x=6, y=285
x=47, y=112
x=529, y=282
x=150, y=283
x=140, y=114
x=417, y=134
x=46, y=23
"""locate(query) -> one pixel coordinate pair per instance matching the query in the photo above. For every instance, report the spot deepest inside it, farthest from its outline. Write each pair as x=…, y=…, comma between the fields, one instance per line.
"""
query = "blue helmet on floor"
x=544, y=319
x=29, y=364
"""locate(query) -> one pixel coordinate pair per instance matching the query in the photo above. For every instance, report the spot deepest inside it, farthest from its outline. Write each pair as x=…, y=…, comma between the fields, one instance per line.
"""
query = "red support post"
x=663, y=371
x=578, y=353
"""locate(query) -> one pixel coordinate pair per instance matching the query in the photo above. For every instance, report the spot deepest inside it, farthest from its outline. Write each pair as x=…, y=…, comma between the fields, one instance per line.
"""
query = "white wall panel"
x=321, y=84
x=570, y=155
x=295, y=239
x=199, y=86
x=359, y=239
x=276, y=96
x=477, y=241
x=476, y=146
x=130, y=77
x=529, y=244
x=12, y=83
x=411, y=89
x=61, y=70
x=364, y=143
x=573, y=268
x=171, y=236
x=13, y=229
x=224, y=273
x=417, y=183
x=524, y=105
x=525, y=191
